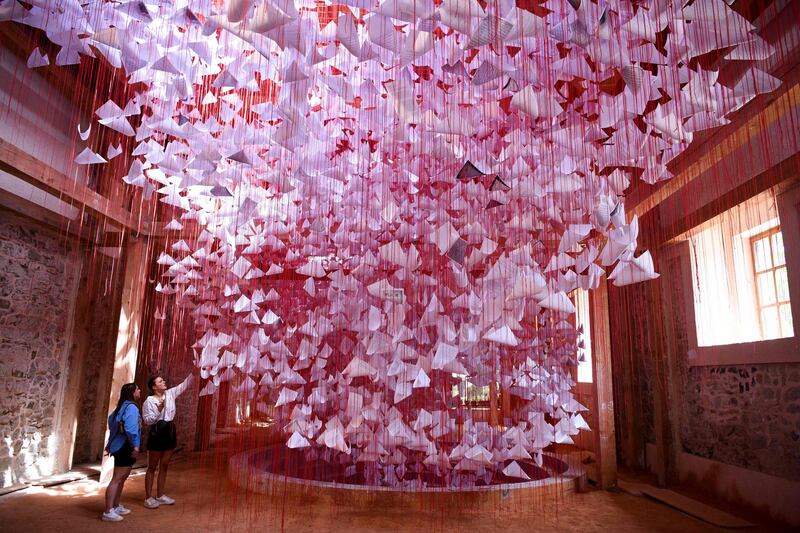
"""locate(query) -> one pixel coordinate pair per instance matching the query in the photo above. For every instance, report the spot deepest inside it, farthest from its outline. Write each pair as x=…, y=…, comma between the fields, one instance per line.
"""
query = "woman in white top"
x=158, y=412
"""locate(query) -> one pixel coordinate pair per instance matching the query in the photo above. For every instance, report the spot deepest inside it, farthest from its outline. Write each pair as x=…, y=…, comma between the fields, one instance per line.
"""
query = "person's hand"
x=136, y=450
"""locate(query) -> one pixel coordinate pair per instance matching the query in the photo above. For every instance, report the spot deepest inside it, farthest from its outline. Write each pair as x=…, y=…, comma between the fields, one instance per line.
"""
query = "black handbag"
x=159, y=430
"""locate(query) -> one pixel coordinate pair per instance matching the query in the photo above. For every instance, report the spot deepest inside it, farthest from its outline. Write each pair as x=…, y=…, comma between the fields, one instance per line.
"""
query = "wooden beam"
x=90, y=235
x=134, y=287
x=663, y=388
x=780, y=178
x=505, y=406
x=605, y=444
x=625, y=350
x=494, y=410
x=742, y=135
x=32, y=210
x=104, y=377
x=21, y=164
x=80, y=340
x=679, y=334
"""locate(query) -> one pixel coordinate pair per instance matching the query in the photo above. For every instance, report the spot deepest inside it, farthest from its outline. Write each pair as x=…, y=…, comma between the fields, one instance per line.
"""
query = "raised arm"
x=180, y=389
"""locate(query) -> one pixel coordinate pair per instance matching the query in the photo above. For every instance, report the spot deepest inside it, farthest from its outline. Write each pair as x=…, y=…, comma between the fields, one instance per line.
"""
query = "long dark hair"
x=126, y=395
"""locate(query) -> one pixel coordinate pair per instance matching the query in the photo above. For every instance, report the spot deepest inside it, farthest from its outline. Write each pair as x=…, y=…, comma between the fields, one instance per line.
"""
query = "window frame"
x=769, y=351
x=773, y=269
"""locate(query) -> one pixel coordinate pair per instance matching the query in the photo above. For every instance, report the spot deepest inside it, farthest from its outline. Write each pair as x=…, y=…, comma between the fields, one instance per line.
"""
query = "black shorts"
x=124, y=457
x=162, y=436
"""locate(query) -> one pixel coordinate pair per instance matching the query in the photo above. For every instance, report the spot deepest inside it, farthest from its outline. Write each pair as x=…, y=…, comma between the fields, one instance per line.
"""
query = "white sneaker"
x=151, y=503
x=121, y=510
x=165, y=500
x=111, y=516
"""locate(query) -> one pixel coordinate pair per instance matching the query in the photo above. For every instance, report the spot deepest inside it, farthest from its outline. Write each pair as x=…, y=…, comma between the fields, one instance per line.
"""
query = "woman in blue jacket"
x=124, y=426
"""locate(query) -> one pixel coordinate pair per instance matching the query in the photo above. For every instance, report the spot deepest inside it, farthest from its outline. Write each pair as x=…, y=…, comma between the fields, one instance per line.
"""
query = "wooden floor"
x=206, y=501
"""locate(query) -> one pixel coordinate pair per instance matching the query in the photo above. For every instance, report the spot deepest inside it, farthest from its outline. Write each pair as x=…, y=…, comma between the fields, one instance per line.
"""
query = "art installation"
x=377, y=205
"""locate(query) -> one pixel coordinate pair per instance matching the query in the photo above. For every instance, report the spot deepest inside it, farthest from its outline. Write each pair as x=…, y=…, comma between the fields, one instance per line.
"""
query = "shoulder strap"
x=120, y=425
x=120, y=418
x=164, y=410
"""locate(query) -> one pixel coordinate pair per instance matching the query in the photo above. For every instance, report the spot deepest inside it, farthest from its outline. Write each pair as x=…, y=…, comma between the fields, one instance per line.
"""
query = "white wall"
x=36, y=117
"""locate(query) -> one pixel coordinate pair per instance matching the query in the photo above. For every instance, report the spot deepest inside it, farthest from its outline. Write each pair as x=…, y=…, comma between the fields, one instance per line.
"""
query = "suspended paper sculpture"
x=371, y=204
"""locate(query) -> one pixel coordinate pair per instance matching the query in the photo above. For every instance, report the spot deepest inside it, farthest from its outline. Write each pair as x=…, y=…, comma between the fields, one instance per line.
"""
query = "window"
x=582, y=322
x=472, y=395
x=741, y=293
x=772, y=286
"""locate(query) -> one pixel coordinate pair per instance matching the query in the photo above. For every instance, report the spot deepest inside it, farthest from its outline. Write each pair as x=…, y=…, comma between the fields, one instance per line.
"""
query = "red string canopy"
x=370, y=219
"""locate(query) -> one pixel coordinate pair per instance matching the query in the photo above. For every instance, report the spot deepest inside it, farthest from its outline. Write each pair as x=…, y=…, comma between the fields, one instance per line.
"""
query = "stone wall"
x=748, y=416
x=742, y=415
x=38, y=281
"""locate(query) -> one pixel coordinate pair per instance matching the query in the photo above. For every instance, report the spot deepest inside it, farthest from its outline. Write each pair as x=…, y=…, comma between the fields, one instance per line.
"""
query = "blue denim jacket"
x=129, y=415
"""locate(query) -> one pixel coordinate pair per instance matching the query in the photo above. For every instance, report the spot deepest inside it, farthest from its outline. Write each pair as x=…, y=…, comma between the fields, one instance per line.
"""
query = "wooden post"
x=204, y=430
x=505, y=405
x=604, y=433
x=627, y=374
x=134, y=287
x=663, y=410
x=678, y=322
x=79, y=345
x=100, y=415
x=493, y=408
x=27, y=168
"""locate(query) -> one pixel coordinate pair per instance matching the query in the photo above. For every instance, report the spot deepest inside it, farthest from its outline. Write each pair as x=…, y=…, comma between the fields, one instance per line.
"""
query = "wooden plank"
x=689, y=506
x=604, y=433
x=32, y=210
x=21, y=164
x=630, y=487
x=679, y=216
x=13, y=488
x=704, y=512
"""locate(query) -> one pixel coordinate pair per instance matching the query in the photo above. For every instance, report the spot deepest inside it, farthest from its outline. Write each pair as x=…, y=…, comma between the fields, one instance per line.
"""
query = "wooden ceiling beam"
x=90, y=236
x=21, y=164
x=755, y=126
